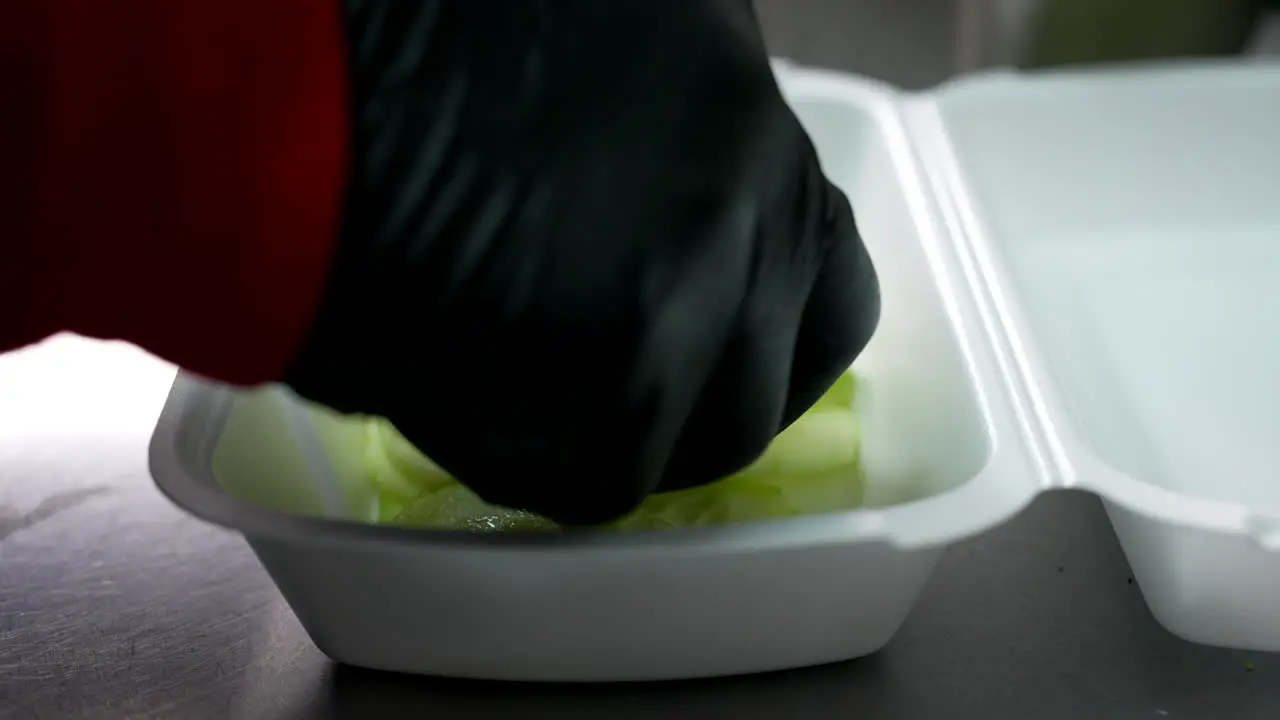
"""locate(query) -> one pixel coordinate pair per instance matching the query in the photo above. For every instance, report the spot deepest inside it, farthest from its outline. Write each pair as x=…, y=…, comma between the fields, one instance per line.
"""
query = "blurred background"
x=919, y=43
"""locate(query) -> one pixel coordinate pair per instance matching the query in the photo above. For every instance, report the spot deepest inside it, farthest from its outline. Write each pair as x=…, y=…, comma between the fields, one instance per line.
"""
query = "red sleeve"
x=170, y=174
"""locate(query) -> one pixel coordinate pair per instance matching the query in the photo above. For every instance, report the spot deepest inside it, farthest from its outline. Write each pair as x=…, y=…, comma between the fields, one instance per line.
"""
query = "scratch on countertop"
x=13, y=520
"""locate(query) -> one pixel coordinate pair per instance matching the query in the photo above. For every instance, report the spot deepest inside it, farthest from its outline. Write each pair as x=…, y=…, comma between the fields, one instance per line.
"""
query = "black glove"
x=589, y=253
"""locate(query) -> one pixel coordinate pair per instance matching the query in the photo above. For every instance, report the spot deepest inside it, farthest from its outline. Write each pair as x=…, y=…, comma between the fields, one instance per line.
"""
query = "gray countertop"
x=113, y=604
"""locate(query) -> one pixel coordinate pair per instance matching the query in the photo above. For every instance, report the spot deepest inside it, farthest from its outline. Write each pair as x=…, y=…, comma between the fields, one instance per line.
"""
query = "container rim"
x=928, y=523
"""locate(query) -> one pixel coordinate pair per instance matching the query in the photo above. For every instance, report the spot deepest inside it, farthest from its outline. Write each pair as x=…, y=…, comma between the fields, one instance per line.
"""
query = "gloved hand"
x=588, y=253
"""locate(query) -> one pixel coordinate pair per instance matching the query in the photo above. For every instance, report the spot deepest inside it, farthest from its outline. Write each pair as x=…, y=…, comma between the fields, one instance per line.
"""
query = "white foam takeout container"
x=1077, y=275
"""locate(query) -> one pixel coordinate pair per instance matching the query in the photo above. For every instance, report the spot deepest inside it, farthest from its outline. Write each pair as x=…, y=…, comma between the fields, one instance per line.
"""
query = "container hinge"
x=935, y=161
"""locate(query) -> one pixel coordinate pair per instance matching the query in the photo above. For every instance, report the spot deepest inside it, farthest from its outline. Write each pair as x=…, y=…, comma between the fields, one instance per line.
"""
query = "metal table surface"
x=113, y=604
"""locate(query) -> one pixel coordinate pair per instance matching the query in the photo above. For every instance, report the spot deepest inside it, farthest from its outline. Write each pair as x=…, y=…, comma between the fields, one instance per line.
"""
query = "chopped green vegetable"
x=454, y=507
x=811, y=467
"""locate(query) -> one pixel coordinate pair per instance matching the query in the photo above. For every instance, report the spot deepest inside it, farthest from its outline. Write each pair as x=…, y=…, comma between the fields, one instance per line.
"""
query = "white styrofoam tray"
x=1074, y=275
